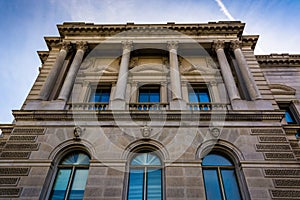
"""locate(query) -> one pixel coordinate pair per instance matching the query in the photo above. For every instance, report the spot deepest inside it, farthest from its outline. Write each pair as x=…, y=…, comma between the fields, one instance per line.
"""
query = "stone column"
x=71, y=76
x=226, y=71
x=245, y=71
x=174, y=71
x=52, y=77
x=120, y=90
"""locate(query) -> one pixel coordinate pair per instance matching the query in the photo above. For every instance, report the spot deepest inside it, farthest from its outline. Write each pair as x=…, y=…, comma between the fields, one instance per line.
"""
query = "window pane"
x=76, y=158
x=154, y=96
x=231, y=188
x=203, y=96
x=212, y=186
x=143, y=96
x=145, y=159
x=215, y=160
x=136, y=184
x=100, y=95
x=193, y=97
x=289, y=118
x=78, y=184
x=61, y=184
x=154, y=184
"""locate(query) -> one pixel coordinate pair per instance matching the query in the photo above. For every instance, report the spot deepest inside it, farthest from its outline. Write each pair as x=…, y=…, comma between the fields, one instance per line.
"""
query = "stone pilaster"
x=245, y=71
x=230, y=84
x=52, y=77
x=215, y=92
x=71, y=76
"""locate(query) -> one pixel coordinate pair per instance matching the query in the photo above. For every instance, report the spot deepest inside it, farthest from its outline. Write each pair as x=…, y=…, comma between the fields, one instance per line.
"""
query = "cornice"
x=85, y=29
x=249, y=41
x=52, y=41
x=279, y=59
x=43, y=55
x=54, y=115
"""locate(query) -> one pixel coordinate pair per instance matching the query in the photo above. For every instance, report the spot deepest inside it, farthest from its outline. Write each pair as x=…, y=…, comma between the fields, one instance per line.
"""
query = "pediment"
x=280, y=89
x=103, y=65
x=149, y=68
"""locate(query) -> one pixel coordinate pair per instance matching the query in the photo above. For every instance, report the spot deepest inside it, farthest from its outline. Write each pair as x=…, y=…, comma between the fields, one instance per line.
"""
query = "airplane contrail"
x=224, y=10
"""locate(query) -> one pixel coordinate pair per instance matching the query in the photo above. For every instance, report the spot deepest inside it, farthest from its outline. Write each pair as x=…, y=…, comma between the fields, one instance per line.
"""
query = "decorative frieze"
x=287, y=183
x=279, y=156
x=295, y=173
x=15, y=155
x=273, y=147
x=287, y=194
x=9, y=181
x=271, y=139
x=28, y=131
x=14, y=171
x=10, y=192
x=262, y=131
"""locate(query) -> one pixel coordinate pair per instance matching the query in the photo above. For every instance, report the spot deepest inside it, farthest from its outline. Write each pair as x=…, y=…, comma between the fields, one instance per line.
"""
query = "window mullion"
x=221, y=183
x=145, y=183
x=70, y=183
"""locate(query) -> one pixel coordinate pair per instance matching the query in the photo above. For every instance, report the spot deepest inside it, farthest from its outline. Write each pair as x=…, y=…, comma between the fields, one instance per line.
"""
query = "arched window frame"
x=57, y=166
x=230, y=155
x=132, y=155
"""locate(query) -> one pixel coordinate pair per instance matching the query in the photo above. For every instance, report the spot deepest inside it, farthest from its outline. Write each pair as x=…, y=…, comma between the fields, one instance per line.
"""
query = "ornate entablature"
x=278, y=59
x=71, y=29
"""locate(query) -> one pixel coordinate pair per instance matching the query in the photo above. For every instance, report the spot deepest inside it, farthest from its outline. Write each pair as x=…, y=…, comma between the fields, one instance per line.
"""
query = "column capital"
x=235, y=44
x=66, y=45
x=128, y=45
x=81, y=45
x=218, y=44
x=172, y=45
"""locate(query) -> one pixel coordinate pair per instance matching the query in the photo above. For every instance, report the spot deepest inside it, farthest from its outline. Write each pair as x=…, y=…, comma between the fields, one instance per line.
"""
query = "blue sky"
x=24, y=23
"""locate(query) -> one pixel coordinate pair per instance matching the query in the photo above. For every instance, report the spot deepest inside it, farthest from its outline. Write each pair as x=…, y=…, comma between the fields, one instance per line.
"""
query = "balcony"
x=207, y=106
x=88, y=106
x=147, y=106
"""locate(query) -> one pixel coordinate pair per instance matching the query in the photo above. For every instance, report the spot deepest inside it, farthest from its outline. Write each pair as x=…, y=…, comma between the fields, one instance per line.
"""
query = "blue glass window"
x=289, y=117
x=149, y=94
x=199, y=95
x=100, y=95
x=145, y=177
x=71, y=177
x=220, y=178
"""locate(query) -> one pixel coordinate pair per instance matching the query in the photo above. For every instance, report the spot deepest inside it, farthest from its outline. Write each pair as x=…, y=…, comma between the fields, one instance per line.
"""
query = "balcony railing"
x=88, y=106
x=148, y=106
x=207, y=106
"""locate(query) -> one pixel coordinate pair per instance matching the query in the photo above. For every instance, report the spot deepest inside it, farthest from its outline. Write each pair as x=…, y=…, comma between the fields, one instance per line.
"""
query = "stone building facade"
x=155, y=111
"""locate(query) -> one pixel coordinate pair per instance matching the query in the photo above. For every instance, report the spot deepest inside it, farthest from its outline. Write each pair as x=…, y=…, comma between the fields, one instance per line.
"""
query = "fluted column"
x=120, y=90
x=52, y=77
x=174, y=71
x=245, y=71
x=71, y=76
x=226, y=71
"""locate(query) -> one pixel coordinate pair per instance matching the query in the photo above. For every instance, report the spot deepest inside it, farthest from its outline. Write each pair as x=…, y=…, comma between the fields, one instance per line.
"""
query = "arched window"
x=220, y=178
x=145, y=177
x=71, y=177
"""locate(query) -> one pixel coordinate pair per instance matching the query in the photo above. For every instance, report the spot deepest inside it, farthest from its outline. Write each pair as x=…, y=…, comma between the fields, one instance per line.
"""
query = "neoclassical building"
x=155, y=111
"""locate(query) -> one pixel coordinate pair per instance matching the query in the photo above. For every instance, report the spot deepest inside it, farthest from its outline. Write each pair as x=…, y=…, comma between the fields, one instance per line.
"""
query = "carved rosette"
x=235, y=44
x=218, y=44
